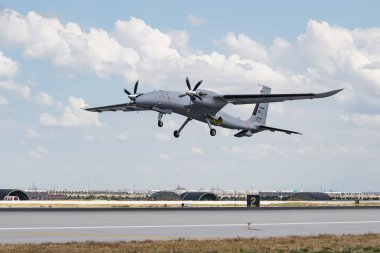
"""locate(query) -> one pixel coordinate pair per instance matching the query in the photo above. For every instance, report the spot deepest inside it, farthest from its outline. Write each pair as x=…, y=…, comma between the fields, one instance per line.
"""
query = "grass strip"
x=321, y=243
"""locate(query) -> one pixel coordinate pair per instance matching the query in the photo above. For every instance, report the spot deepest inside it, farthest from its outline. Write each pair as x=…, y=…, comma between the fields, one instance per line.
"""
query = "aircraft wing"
x=120, y=107
x=271, y=98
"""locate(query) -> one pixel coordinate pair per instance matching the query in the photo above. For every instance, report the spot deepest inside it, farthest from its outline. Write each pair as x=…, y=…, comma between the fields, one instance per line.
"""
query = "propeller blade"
x=182, y=95
x=197, y=85
x=136, y=85
x=126, y=91
x=188, y=83
x=197, y=96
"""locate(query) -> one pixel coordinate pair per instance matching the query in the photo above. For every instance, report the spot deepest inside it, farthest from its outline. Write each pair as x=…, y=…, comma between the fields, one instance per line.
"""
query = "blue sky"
x=56, y=57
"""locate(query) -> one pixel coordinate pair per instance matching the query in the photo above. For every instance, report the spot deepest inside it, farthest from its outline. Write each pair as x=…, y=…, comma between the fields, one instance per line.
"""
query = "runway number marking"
x=192, y=226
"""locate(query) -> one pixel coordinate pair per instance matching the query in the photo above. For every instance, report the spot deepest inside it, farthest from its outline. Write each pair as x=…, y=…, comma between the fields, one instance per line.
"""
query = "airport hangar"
x=13, y=194
x=17, y=194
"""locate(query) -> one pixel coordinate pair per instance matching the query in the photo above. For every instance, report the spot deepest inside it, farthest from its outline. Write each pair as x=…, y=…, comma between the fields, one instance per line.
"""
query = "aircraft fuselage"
x=194, y=108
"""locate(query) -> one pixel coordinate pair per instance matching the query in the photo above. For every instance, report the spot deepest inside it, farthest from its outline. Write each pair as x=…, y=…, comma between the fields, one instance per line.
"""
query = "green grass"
x=294, y=244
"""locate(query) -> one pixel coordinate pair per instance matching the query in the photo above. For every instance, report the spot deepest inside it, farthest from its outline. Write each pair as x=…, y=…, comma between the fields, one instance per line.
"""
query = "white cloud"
x=23, y=91
x=304, y=151
x=362, y=120
x=179, y=41
x=8, y=67
x=89, y=137
x=277, y=109
x=300, y=151
x=149, y=42
x=38, y=152
x=162, y=137
x=245, y=47
x=196, y=151
x=122, y=136
x=254, y=152
x=164, y=157
x=170, y=124
x=194, y=20
x=66, y=45
x=262, y=149
x=366, y=120
x=44, y=99
x=3, y=100
x=344, y=118
x=323, y=57
x=73, y=116
x=234, y=150
x=32, y=133
x=225, y=132
x=134, y=48
x=345, y=150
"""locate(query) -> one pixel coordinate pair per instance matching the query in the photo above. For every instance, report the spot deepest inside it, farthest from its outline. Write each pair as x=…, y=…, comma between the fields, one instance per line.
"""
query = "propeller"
x=135, y=94
x=192, y=92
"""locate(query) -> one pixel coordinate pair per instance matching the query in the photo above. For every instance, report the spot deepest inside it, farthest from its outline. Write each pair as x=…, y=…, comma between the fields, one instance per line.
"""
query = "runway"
x=64, y=225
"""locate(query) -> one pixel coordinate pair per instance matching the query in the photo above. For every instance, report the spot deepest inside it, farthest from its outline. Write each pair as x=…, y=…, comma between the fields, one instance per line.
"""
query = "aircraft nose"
x=143, y=99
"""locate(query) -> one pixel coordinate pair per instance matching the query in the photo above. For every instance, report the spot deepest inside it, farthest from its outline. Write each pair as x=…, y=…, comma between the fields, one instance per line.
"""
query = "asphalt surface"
x=64, y=225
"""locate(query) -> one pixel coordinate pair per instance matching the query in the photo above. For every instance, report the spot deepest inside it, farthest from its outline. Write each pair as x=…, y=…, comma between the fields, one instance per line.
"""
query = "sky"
x=57, y=57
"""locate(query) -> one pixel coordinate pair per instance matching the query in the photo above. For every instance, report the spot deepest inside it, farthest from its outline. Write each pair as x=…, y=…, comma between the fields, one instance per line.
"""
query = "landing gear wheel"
x=212, y=132
x=176, y=133
x=160, y=123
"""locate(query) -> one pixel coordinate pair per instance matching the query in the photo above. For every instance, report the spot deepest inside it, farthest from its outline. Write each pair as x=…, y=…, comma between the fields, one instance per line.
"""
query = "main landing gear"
x=212, y=130
x=160, y=122
x=176, y=133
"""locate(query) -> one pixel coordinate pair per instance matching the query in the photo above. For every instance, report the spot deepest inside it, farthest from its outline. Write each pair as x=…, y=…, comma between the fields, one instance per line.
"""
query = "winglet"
x=328, y=94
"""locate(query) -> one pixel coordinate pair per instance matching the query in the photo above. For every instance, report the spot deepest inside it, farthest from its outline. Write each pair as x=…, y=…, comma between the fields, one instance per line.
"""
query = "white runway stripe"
x=192, y=226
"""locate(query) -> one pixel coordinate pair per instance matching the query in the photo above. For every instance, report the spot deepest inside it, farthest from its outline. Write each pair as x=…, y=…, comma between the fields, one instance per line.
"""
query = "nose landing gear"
x=160, y=122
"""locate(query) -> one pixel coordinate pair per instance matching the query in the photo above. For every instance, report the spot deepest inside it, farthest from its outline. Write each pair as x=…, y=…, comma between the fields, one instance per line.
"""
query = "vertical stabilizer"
x=260, y=112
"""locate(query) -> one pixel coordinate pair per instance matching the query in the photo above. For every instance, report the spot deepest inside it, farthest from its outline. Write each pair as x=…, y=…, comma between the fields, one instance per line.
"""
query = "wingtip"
x=85, y=108
x=333, y=92
x=328, y=93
